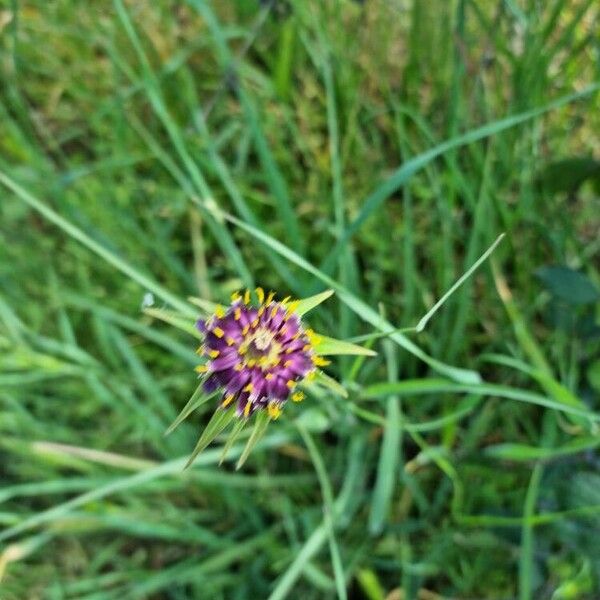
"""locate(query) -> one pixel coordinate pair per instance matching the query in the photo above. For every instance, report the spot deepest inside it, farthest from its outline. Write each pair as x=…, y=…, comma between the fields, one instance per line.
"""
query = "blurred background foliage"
x=310, y=122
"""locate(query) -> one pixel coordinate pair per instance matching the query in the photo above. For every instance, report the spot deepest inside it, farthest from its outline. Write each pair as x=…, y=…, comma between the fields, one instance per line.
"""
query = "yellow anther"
x=312, y=336
x=319, y=361
x=270, y=297
x=230, y=341
x=283, y=330
x=200, y=350
x=218, y=332
x=247, y=297
x=274, y=312
x=228, y=400
x=247, y=408
x=290, y=350
x=290, y=383
x=248, y=388
x=311, y=375
x=260, y=294
x=238, y=367
x=219, y=311
x=255, y=323
x=274, y=410
x=288, y=363
x=261, y=311
x=237, y=314
x=298, y=396
x=235, y=296
x=285, y=300
x=306, y=347
x=201, y=369
x=245, y=329
x=269, y=376
x=251, y=363
x=292, y=306
x=213, y=353
x=242, y=350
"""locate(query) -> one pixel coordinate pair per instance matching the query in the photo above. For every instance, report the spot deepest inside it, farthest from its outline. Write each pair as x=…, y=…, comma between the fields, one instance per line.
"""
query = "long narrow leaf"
x=199, y=397
x=219, y=421
x=95, y=247
x=427, y=386
x=421, y=324
x=260, y=428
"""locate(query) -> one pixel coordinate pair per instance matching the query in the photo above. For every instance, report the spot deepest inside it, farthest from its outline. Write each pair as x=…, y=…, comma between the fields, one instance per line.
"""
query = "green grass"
x=186, y=149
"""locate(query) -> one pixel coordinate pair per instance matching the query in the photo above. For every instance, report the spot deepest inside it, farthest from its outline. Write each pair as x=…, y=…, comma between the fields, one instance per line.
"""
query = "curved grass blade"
x=525, y=453
x=409, y=168
x=556, y=389
x=151, y=86
x=95, y=247
x=206, y=305
x=172, y=468
x=176, y=320
x=414, y=387
x=421, y=324
x=465, y=407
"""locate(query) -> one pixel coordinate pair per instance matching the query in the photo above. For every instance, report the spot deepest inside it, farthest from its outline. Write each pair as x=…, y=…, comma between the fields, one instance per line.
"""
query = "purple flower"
x=257, y=353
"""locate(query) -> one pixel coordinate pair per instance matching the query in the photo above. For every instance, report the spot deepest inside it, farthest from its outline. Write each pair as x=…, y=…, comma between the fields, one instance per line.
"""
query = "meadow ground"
x=376, y=148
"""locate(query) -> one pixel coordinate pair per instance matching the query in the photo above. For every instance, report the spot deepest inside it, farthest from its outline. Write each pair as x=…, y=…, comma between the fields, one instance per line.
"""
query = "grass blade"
x=423, y=322
x=328, y=509
x=359, y=307
x=526, y=554
x=408, y=169
x=429, y=386
x=389, y=454
x=101, y=251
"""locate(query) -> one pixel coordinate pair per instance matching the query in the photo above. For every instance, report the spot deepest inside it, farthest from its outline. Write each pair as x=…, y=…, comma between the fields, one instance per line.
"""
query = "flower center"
x=262, y=340
x=261, y=348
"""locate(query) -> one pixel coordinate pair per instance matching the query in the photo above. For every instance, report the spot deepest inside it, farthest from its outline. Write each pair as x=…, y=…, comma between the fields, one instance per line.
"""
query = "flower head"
x=257, y=352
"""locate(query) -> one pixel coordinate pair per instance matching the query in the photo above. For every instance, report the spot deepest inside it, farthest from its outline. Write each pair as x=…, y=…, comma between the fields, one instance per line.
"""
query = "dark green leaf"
x=569, y=174
x=568, y=285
